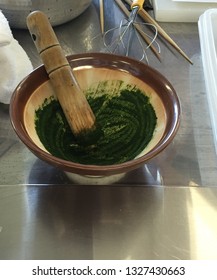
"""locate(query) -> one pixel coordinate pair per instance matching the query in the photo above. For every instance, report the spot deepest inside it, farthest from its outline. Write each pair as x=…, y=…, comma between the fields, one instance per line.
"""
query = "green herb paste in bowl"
x=137, y=111
x=125, y=116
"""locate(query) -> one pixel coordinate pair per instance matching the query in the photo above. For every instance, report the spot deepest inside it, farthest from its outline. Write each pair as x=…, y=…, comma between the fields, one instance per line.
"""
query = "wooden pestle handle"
x=72, y=100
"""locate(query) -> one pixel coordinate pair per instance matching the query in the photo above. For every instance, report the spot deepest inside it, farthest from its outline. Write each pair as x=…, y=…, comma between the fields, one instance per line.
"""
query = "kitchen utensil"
x=147, y=18
x=93, y=70
x=73, y=102
x=125, y=38
x=101, y=8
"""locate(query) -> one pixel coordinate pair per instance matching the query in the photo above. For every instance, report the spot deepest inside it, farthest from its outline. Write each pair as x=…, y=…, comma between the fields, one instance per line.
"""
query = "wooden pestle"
x=72, y=100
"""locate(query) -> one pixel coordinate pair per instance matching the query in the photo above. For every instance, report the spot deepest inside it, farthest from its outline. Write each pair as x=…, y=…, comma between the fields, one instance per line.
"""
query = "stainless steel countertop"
x=163, y=210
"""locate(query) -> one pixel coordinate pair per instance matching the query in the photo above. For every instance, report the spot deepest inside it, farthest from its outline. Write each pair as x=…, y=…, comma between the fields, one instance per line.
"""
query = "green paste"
x=127, y=120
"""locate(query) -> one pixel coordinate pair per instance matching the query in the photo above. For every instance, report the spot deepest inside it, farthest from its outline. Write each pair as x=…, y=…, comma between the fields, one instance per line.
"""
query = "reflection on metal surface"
x=203, y=214
x=5, y=145
x=89, y=222
x=83, y=222
x=94, y=180
x=43, y=173
x=147, y=174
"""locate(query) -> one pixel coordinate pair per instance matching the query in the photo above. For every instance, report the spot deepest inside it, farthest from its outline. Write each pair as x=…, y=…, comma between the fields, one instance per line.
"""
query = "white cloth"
x=14, y=62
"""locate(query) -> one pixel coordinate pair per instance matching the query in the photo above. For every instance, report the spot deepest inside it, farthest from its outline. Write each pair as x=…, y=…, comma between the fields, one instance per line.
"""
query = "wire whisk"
x=128, y=38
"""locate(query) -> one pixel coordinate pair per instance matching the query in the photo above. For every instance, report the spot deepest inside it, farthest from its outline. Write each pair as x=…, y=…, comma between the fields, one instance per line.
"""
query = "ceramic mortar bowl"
x=92, y=69
x=58, y=11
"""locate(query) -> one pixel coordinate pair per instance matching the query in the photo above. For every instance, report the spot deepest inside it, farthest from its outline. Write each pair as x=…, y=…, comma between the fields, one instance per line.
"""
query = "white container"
x=207, y=25
x=174, y=11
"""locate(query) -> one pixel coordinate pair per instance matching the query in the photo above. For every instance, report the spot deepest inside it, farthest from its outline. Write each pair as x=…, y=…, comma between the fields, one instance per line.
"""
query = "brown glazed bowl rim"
x=138, y=69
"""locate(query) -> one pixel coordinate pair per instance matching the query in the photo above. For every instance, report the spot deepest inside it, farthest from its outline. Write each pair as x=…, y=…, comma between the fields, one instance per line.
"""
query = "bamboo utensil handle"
x=147, y=18
x=72, y=100
x=146, y=39
x=101, y=6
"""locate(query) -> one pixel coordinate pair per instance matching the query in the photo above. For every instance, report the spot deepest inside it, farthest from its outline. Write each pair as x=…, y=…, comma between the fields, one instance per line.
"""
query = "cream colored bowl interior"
x=89, y=79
